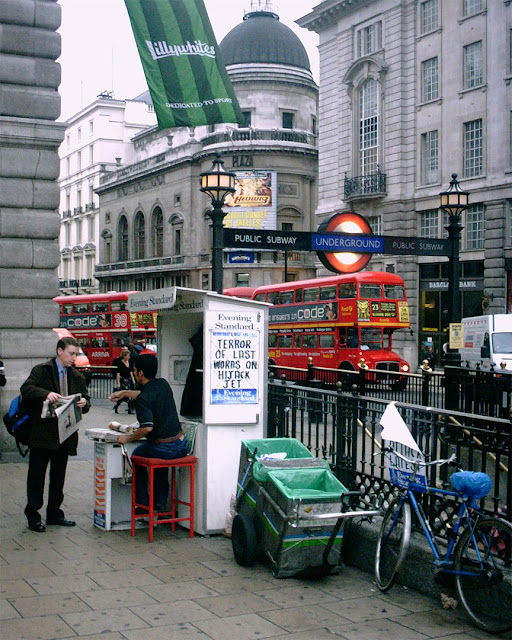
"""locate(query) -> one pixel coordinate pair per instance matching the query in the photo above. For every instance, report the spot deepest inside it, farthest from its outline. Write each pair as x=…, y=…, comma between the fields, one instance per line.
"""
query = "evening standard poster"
x=234, y=376
x=253, y=205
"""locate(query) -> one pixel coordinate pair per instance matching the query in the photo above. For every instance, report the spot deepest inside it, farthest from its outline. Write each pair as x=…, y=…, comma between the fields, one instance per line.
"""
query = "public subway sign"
x=234, y=347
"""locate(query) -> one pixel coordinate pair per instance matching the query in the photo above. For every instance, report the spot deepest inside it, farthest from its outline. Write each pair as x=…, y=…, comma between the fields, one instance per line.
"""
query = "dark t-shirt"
x=155, y=407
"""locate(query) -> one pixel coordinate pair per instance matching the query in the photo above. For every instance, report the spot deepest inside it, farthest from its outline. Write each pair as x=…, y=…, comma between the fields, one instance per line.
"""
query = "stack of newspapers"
x=111, y=435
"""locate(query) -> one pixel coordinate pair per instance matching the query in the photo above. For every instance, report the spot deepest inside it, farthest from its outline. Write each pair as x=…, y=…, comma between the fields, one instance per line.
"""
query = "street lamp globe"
x=454, y=200
x=217, y=183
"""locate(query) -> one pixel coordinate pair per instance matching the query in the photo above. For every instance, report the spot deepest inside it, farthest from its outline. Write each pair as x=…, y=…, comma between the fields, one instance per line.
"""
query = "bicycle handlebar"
x=420, y=463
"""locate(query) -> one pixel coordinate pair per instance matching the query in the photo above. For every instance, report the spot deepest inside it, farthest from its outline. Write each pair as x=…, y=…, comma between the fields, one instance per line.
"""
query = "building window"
x=369, y=127
x=429, y=157
x=429, y=19
x=139, y=231
x=314, y=126
x=177, y=242
x=91, y=229
x=91, y=154
x=287, y=226
x=91, y=127
x=473, y=148
x=247, y=118
x=78, y=232
x=79, y=134
x=241, y=279
x=429, y=223
x=108, y=252
x=472, y=6
x=68, y=202
x=369, y=39
x=205, y=281
x=430, y=79
x=158, y=232
x=68, y=166
x=122, y=234
x=375, y=223
x=287, y=120
x=473, y=66
x=475, y=227
x=68, y=235
x=79, y=201
x=79, y=161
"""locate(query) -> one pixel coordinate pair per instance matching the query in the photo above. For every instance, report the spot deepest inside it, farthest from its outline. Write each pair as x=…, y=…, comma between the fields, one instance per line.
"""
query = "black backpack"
x=17, y=423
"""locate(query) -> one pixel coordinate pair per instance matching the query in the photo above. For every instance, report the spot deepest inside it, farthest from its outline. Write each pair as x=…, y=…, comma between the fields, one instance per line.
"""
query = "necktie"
x=64, y=382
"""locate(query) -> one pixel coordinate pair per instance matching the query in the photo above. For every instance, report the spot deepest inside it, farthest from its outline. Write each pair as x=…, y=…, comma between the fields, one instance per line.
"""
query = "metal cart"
x=289, y=509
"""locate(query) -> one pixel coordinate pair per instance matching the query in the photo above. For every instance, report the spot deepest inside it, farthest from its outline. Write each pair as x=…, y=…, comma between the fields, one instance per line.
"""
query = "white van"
x=487, y=341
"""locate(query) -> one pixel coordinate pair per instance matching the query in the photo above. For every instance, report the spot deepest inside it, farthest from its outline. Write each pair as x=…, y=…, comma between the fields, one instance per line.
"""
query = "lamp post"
x=217, y=183
x=454, y=201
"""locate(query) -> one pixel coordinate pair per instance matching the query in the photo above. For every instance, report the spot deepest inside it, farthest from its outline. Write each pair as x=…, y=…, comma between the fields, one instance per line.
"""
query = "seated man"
x=159, y=424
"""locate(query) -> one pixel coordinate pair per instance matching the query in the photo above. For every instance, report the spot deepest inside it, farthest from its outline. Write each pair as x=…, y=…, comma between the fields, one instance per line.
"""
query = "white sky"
x=99, y=52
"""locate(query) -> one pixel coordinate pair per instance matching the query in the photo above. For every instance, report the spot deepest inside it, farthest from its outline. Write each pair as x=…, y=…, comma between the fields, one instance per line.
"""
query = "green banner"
x=187, y=79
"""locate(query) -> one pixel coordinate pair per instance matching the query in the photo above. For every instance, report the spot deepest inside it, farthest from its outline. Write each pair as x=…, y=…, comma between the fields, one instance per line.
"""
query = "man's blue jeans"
x=166, y=451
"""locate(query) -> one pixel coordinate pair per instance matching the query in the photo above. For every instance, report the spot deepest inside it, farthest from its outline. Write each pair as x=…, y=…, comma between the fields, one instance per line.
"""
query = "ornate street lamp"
x=454, y=201
x=217, y=183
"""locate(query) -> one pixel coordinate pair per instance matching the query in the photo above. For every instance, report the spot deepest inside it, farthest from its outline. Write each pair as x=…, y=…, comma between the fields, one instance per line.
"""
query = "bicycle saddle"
x=473, y=484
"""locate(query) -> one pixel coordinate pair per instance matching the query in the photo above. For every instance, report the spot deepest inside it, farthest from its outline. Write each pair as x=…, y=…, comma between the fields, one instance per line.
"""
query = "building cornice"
x=328, y=12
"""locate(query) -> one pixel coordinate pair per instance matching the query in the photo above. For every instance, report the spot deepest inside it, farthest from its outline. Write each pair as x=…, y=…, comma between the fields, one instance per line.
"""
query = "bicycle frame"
x=463, y=515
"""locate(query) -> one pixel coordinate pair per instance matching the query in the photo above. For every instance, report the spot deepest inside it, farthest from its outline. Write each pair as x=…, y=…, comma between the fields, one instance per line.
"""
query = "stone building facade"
x=29, y=191
x=412, y=91
x=97, y=139
x=155, y=230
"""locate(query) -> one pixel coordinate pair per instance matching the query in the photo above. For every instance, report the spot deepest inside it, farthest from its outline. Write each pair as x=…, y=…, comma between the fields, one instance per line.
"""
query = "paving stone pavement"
x=83, y=582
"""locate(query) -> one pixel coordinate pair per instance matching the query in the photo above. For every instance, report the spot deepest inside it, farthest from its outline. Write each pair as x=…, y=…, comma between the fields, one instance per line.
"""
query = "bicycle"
x=478, y=554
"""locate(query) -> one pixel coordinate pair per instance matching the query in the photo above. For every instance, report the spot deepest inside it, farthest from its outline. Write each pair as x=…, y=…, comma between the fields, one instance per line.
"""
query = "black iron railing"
x=344, y=429
x=369, y=185
x=100, y=381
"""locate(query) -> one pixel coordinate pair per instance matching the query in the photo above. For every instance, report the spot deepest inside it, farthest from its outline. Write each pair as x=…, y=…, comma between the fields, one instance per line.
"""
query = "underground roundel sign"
x=345, y=262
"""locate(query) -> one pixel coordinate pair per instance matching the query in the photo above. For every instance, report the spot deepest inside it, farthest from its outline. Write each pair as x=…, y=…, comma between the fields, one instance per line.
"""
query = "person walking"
x=159, y=424
x=124, y=377
x=51, y=381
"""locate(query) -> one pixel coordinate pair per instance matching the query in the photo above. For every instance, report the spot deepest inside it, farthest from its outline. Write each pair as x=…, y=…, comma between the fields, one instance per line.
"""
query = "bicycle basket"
x=474, y=484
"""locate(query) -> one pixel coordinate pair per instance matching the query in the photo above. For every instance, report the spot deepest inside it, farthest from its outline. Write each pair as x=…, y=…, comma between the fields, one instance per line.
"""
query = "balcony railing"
x=139, y=264
x=371, y=185
x=249, y=135
x=66, y=214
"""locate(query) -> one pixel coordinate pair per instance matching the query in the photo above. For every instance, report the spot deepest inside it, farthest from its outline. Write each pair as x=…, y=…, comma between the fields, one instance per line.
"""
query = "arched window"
x=369, y=127
x=139, y=236
x=158, y=232
x=122, y=235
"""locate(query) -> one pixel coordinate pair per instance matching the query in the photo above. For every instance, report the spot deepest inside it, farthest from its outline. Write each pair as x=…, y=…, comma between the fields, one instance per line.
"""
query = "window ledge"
x=508, y=79
x=483, y=12
x=481, y=87
x=420, y=105
x=430, y=185
x=482, y=176
x=428, y=33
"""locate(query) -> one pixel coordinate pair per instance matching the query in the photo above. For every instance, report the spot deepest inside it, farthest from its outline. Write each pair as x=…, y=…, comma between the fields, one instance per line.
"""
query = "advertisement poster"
x=234, y=344
x=254, y=203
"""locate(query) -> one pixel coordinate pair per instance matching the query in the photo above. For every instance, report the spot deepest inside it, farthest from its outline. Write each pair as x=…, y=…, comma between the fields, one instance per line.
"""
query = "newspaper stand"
x=290, y=509
x=232, y=406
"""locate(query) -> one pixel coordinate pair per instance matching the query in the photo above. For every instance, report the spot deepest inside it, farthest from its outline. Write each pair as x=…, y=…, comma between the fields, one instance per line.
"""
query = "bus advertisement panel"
x=102, y=324
x=336, y=321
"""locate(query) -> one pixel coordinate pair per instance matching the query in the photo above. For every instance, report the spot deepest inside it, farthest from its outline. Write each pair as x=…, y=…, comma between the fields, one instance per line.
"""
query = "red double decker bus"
x=336, y=321
x=102, y=324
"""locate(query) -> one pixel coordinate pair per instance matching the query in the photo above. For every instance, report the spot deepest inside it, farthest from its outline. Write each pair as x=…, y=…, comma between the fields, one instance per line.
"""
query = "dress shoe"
x=37, y=527
x=62, y=522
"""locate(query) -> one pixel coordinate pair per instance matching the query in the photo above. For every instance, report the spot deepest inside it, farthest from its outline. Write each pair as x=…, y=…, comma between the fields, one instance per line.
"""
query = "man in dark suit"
x=50, y=381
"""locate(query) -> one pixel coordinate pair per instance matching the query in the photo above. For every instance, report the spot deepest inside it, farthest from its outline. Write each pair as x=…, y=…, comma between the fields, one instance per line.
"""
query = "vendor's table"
x=112, y=485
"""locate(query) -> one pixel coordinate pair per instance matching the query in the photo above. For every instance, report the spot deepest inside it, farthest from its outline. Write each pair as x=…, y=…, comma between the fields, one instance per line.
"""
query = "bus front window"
x=371, y=338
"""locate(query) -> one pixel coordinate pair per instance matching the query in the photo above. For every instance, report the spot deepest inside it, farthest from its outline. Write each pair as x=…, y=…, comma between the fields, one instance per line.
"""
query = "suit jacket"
x=42, y=379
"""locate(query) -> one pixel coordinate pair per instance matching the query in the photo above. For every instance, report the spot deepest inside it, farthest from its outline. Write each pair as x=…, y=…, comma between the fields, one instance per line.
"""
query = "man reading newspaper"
x=51, y=381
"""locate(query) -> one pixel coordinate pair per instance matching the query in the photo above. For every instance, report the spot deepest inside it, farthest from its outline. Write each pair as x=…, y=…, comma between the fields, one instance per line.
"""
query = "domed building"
x=154, y=227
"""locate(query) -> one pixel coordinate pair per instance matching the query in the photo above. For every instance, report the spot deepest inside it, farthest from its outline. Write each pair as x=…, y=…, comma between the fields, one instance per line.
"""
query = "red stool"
x=164, y=517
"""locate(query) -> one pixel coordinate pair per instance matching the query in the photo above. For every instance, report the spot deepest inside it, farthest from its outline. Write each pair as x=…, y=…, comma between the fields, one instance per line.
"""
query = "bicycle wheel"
x=392, y=544
x=484, y=585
